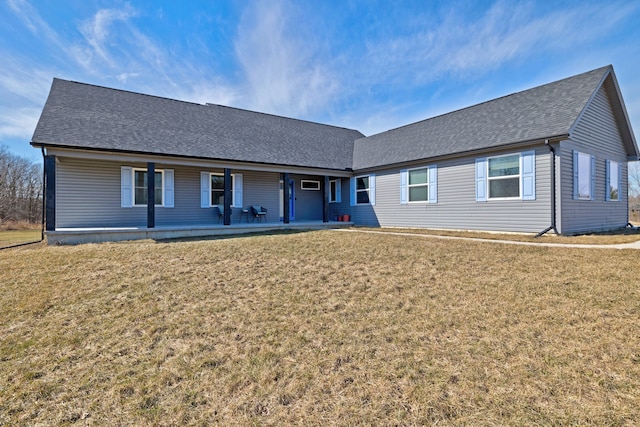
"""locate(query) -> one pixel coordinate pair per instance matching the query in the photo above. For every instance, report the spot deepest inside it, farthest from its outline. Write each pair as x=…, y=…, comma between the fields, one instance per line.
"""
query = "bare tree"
x=20, y=188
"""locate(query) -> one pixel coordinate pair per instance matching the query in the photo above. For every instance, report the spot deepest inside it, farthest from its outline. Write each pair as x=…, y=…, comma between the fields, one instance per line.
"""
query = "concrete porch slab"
x=74, y=236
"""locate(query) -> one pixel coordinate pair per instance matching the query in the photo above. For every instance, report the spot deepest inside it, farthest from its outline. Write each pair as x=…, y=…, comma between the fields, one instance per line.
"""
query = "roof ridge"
x=491, y=100
x=126, y=91
x=207, y=104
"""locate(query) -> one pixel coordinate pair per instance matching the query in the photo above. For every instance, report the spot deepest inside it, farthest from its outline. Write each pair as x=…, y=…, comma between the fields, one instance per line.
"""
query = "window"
x=140, y=187
x=512, y=176
x=418, y=185
x=217, y=189
x=362, y=190
x=613, y=180
x=133, y=187
x=584, y=176
x=307, y=184
x=334, y=191
x=504, y=176
x=212, y=189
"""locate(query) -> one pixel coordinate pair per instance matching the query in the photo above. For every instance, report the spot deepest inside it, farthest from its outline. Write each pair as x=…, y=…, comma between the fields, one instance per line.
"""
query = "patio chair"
x=258, y=212
x=219, y=213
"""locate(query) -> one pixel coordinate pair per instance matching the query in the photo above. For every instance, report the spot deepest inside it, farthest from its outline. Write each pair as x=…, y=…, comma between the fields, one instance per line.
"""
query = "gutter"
x=466, y=153
x=213, y=161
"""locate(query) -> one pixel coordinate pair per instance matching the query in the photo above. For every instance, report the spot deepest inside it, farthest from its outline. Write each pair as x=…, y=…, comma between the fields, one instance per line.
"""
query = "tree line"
x=20, y=188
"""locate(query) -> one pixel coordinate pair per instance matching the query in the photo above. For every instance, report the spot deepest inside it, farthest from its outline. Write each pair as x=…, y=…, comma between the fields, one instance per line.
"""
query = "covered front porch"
x=74, y=236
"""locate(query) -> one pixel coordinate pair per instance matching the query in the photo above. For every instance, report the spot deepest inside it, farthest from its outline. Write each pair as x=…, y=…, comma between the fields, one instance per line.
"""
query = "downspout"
x=44, y=183
x=553, y=191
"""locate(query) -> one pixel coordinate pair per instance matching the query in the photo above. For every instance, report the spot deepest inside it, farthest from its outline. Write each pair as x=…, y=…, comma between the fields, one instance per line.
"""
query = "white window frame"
x=334, y=184
x=497, y=178
x=233, y=189
x=613, y=178
x=587, y=158
x=314, y=185
x=367, y=190
x=409, y=186
x=133, y=187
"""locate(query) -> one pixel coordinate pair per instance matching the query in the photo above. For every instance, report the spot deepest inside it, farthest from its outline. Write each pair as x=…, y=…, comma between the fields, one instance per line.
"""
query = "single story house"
x=551, y=158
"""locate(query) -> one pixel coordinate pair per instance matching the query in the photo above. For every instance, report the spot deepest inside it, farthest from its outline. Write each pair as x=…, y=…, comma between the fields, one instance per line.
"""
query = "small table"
x=244, y=212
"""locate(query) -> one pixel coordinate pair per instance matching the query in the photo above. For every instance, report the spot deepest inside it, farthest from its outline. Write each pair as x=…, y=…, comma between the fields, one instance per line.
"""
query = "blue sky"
x=366, y=65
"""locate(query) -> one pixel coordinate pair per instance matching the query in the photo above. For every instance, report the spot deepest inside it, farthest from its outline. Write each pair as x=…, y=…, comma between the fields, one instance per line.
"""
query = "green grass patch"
x=16, y=237
x=319, y=328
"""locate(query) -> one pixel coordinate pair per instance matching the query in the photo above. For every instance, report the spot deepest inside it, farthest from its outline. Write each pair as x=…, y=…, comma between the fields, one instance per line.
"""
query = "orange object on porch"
x=346, y=217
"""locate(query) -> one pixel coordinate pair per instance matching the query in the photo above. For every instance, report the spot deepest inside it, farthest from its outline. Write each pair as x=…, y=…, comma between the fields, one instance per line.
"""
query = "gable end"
x=610, y=87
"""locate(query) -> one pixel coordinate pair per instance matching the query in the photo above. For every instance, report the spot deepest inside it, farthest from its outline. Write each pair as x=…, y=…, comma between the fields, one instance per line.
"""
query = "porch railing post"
x=325, y=200
x=151, y=195
x=285, y=198
x=227, y=196
x=50, y=192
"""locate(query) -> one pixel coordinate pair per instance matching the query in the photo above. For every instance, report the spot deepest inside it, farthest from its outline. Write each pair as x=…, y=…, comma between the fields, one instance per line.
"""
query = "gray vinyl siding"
x=362, y=215
x=340, y=208
x=456, y=207
x=367, y=215
x=597, y=134
x=260, y=188
x=88, y=195
x=308, y=203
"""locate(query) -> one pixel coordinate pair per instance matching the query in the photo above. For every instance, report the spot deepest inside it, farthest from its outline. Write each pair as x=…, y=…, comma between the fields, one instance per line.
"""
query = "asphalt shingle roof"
x=542, y=112
x=79, y=115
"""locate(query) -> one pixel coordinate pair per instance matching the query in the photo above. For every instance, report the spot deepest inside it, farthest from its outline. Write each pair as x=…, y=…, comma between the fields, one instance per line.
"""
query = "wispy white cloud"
x=284, y=66
x=18, y=122
x=23, y=82
x=458, y=49
x=34, y=22
x=115, y=47
x=212, y=92
x=124, y=77
x=458, y=45
x=97, y=30
x=284, y=71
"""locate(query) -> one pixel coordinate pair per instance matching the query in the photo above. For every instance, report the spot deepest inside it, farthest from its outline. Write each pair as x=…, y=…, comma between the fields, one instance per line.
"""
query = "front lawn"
x=319, y=328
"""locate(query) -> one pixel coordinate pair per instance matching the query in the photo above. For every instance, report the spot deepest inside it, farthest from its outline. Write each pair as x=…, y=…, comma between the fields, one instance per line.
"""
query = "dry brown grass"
x=18, y=225
x=319, y=328
x=624, y=235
